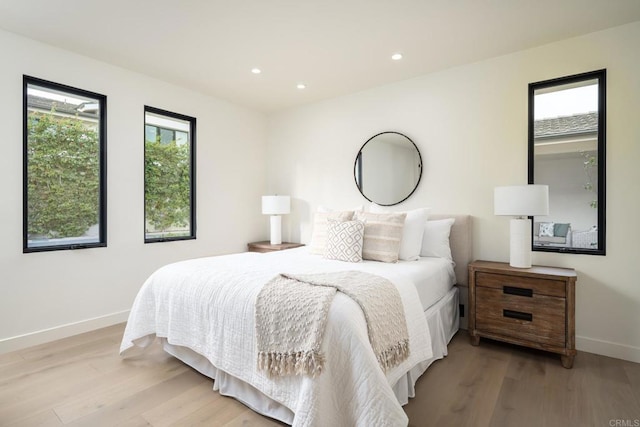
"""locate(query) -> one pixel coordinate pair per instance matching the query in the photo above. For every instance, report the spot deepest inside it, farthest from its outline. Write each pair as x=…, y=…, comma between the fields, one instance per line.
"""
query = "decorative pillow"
x=318, y=243
x=435, y=241
x=546, y=229
x=411, y=242
x=382, y=235
x=344, y=240
x=560, y=230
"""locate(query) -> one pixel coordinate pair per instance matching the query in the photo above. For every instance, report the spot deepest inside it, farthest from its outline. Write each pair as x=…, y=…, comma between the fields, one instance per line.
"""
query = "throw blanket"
x=291, y=314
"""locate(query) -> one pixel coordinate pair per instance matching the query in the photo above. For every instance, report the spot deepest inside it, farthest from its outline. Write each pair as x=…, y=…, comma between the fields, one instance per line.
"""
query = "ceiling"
x=335, y=47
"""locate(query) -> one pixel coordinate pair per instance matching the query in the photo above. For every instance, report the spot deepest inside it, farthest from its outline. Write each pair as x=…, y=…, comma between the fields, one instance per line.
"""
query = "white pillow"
x=414, y=224
x=318, y=243
x=344, y=240
x=435, y=241
x=382, y=235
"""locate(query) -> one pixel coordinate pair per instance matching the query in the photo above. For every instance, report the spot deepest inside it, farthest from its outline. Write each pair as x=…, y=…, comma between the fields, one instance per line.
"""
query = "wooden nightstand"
x=534, y=307
x=266, y=246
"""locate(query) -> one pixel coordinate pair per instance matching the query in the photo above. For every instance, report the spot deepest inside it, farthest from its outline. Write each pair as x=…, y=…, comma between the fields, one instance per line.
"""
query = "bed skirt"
x=442, y=318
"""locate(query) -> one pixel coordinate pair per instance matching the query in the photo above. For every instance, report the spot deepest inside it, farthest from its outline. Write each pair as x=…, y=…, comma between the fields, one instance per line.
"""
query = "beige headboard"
x=461, y=245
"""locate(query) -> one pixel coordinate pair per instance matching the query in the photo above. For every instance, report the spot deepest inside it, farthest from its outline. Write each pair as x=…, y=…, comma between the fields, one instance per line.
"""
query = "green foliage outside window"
x=167, y=185
x=63, y=176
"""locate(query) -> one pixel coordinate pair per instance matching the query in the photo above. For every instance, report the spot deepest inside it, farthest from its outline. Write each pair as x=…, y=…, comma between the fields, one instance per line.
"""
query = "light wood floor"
x=81, y=381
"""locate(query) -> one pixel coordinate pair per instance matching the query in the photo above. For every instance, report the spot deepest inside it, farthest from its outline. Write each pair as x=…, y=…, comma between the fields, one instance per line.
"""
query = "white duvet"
x=207, y=305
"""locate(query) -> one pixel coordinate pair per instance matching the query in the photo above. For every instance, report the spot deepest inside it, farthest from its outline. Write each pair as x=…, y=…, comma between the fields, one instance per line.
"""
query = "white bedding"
x=207, y=305
x=433, y=278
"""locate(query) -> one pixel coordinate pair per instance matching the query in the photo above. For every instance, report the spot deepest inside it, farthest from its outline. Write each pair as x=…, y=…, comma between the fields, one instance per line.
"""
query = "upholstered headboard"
x=461, y=245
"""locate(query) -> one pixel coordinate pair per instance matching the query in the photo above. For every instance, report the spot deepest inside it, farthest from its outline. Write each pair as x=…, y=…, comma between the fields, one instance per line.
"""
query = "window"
x=64, y=167
x=567, y=132
x=169, y=185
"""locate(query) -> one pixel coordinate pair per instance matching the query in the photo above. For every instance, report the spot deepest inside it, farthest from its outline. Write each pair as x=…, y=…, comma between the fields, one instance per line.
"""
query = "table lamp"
x=521, y=201
x=276, y=206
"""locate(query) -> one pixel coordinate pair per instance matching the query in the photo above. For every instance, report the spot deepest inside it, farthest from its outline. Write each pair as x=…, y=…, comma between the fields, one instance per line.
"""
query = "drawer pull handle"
x=517, y=315
x=517, y=291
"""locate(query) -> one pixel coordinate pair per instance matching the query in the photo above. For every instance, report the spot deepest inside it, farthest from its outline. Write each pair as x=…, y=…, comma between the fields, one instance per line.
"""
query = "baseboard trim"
x=63, y=331
x=607, y=348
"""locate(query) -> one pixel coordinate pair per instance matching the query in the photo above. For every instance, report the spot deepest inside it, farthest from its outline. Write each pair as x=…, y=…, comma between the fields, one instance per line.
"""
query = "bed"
x=202, y=311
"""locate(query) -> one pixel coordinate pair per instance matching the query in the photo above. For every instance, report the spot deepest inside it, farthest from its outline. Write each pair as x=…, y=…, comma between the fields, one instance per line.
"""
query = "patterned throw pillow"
x=344, y=240
x=382, y=235
x=412, y=231
x=546, y=229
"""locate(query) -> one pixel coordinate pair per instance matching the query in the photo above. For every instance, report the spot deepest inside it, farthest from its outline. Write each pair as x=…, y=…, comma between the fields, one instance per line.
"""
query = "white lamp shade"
x=521, y=200
x=276, y=205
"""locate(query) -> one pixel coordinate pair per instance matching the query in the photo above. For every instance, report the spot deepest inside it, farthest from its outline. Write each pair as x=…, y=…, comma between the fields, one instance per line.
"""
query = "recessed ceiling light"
x=256, y=70
x=396, y=56
x=301, y=86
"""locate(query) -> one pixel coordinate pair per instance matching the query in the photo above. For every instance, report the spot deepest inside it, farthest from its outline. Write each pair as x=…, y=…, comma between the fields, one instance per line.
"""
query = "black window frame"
x=102, y=154
x=192, y=173
x=601, y=77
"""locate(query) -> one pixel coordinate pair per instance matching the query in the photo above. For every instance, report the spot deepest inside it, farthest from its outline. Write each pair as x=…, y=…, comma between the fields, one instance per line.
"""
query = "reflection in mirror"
x=567, y=152
x=388, y=168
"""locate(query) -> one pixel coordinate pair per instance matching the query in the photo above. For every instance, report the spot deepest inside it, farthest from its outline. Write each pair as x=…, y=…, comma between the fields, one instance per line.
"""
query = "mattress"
x=433, y=277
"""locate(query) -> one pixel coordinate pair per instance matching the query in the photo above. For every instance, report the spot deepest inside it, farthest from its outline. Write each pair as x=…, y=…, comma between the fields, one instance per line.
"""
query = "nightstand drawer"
x=522, y=285
x=536, y=318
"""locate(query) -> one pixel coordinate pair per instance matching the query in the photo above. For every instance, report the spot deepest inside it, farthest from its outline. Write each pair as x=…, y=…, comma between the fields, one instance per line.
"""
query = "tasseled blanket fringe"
x=291, y=363
x=312, y=362
x=393, y=355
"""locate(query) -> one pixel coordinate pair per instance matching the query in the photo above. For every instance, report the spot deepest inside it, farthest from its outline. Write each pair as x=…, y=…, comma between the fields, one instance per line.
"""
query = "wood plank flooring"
x=82, y=381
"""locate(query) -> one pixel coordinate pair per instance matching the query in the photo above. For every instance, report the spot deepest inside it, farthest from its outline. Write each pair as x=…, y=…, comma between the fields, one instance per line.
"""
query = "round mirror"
x=388, y=168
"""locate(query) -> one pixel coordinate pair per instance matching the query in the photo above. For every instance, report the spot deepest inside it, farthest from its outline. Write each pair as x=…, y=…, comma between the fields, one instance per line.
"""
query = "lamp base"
x=276, y=229
x=520, y=251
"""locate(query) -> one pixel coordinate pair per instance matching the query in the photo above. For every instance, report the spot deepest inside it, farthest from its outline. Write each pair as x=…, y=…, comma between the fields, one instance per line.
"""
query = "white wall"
x=470, y=124
x=568, y=200
x=53, y=294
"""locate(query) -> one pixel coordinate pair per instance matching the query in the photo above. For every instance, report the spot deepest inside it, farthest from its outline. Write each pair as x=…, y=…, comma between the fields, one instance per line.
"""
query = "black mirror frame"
x=357, y=169
x=601, y=77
